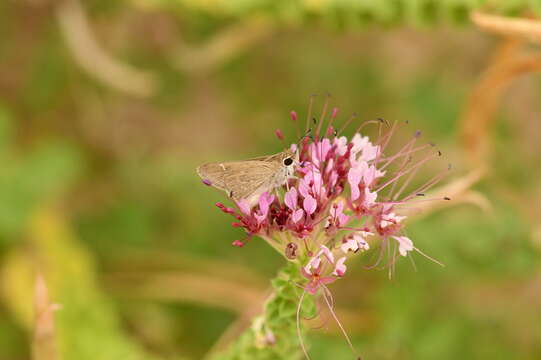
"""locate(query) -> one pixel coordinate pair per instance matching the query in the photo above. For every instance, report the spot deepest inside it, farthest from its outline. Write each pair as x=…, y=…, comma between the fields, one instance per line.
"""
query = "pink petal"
x=392, y=217
x=305, y=273
x=350, y=245
x=319, y=150
x=318, y=182
x=363, y=245
x=303, y=188
x=360, y=239
x=340, y=268
x=244, y=207
x=264, y=202
x=369, y=197
x=313, y=263
x=291, y=198
x=370, y=173
x=370, y=152
x=293, y=147
x=306, y=167
x=312, y=287
x=359, y=142
x=342, y=219
x=260, y=218
x=338, y=213
x=359, y=236
x=314, y=154
x=405, y=244
x=324, y=147
x=330, y=165
x=354, y=178
x=327, y=253
x=309, y=177
x=334, y=210
x=341, y=145
x=309, y=204
x=333, y=179
x=297, y=215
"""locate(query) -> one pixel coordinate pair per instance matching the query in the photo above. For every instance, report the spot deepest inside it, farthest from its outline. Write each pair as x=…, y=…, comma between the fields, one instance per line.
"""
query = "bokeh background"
x=106, y=108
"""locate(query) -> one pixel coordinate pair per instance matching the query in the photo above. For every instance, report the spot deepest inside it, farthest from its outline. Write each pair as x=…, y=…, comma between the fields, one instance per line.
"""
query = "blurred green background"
x=106, y=108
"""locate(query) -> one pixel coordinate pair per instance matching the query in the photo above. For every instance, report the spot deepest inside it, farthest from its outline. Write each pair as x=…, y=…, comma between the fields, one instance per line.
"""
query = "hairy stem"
x=273, y=334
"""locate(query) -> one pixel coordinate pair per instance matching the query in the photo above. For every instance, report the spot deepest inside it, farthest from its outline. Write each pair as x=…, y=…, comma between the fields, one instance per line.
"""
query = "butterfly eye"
x=288, y=161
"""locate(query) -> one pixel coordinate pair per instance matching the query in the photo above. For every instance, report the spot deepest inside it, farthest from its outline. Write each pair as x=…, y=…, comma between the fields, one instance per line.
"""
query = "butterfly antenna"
x=307, y=134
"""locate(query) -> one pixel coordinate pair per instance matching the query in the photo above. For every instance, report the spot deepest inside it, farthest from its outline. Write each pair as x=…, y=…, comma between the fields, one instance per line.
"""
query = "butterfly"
x=248, y=179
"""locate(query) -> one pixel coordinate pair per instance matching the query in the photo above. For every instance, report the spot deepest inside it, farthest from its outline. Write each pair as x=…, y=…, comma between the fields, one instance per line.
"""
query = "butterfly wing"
x=240, y=179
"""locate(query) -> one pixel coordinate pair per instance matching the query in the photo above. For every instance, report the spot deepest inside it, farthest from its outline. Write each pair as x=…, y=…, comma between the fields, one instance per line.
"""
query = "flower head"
x=344, y=195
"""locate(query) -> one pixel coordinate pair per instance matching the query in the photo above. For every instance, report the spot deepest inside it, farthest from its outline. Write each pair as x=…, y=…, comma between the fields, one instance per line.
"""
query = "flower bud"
x=291, y=251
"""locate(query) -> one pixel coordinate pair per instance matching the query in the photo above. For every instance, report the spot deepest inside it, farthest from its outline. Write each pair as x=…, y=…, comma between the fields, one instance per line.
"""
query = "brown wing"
x=239, y=179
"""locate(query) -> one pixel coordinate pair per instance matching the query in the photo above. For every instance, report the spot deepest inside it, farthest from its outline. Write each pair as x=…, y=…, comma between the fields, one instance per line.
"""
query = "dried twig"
x=528, y=29
x=507, y=64
x=92, y=58
x=484, y=100
x=222, y=47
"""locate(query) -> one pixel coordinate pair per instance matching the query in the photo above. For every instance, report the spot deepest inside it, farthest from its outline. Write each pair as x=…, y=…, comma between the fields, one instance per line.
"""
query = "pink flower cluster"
x=346, y=196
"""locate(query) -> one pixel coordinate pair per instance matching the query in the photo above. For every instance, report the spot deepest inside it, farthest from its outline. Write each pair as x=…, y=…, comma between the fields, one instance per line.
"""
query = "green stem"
x=273, y=334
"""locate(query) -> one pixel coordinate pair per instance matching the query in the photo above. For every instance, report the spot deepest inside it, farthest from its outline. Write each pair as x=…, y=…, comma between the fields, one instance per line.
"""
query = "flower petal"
x=369, y=198
x=369, y=152
x=340, y=268
x=337, y=212
x=291, y=198
x=312, y=287
x=350, y=245
x=405, y=244
x=327, y=253
x=309, y=204
x=303, y=188
x=313, y=263
x=259, y=218
x=264, y=202
x=354, y=178
x=297, y=215
x=330, y=165
x=244, y=206
x=341, y=145
x=363, y=245
x=359, y=142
